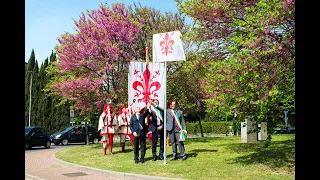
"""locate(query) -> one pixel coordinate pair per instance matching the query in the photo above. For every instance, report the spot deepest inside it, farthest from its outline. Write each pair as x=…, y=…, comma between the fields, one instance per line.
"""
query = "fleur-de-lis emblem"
x=147, y=83
x=166, y=44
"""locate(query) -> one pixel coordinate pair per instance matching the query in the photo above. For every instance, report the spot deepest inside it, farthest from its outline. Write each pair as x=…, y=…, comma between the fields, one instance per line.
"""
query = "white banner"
x=167, y=47
x=145, y=83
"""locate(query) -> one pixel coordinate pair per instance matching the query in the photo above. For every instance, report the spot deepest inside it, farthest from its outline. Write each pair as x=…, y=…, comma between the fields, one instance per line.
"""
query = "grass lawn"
x=209, y=158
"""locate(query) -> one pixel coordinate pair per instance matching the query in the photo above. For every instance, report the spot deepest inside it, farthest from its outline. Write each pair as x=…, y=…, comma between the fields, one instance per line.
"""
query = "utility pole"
x=30, y=97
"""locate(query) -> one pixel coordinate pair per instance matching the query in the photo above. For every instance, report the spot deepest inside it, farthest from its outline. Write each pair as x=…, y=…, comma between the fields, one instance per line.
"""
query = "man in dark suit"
x=176, y=127
x=139, y=130
x=156, y=127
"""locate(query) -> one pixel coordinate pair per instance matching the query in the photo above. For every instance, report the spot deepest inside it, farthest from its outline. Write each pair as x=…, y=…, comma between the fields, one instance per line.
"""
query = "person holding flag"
x=139, y=130
x=149, y=134
x=176, y=127
x=156, y=127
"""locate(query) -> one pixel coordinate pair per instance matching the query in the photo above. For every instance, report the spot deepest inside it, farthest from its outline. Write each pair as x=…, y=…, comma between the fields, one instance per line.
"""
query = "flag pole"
x=147, y=58
x=165, y=114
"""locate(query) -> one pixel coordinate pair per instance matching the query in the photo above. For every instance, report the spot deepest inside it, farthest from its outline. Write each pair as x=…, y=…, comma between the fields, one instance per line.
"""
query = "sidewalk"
x=43, y=165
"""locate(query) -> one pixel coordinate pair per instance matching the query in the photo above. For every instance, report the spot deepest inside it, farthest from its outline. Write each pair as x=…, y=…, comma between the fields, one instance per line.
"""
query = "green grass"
x=209, y=158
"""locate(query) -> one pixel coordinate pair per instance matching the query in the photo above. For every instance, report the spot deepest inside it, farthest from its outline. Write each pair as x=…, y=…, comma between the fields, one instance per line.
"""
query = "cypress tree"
x=35, y=95
x=29, y=67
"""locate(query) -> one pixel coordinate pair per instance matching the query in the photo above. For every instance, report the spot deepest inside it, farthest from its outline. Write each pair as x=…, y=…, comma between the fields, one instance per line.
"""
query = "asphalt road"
x=53, y=146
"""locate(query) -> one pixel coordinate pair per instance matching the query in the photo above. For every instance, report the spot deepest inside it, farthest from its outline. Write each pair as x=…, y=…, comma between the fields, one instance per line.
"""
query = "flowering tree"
x=92, y=63
x=248, y=50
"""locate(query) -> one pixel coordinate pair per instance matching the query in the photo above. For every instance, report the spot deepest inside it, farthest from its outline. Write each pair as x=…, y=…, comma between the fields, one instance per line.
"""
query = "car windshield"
x=68, y=129
x=27, y=130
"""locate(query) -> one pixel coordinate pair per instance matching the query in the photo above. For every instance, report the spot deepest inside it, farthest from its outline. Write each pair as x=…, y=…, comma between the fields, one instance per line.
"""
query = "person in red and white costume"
x=107, y=123
x=124, y=129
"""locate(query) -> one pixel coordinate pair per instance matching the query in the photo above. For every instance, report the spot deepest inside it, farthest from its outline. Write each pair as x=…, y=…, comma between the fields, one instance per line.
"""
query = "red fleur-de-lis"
x=146, y=83
x=166, y=44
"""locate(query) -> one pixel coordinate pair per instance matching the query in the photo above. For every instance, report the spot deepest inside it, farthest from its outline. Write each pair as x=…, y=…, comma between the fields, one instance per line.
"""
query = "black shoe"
x=174, y=158
x=154, y=158
x=142, y=160
x=161, y=157
x=136, y=161
x=184, y=157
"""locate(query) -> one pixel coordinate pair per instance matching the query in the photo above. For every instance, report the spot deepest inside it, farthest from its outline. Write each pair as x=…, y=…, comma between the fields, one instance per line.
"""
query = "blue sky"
x=46, y=20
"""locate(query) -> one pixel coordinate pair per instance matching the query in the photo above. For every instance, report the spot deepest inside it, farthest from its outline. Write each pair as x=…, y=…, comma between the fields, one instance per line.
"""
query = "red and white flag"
x=145, y=83
x=167, y=47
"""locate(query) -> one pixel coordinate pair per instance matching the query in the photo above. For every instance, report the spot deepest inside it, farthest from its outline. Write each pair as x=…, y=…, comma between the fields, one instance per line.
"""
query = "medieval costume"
x=107, y=122
x=124, y=130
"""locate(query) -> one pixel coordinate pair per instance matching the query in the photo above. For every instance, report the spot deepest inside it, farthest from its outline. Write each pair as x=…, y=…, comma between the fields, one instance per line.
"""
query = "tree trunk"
x=87, y=135
x=200, y=126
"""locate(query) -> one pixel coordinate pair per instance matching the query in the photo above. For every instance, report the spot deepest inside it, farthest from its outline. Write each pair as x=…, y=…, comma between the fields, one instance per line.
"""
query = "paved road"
x=41, y=164
x=41, y=148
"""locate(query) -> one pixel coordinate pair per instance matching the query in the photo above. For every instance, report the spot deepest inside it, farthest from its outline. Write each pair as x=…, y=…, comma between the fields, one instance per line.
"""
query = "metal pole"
x=30, y=99
x=165, y=114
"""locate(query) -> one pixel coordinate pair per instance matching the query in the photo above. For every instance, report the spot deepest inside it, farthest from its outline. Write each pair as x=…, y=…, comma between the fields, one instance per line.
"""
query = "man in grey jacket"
x=176, y=127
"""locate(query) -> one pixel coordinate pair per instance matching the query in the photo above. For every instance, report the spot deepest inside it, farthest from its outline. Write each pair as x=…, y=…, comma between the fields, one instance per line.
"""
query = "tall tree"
x=249, y=48
x=41, y=116
x=55, y=110
x=29, y=69
x=35, y=95
x=90, y=62
x=156, y=22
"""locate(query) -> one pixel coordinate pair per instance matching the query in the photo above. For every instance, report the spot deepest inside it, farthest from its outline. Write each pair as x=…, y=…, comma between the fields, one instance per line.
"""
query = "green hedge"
x=208, y=127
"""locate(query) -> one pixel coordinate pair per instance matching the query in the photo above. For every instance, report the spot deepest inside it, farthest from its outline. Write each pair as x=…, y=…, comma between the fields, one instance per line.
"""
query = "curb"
x=31, y=177
x=111, y=173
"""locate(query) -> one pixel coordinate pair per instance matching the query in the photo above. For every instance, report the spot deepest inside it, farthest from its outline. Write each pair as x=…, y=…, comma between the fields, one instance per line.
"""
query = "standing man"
x=176, y=127
x=107, y=122
x=149, y=134
x=156, y=127
x=139, y=130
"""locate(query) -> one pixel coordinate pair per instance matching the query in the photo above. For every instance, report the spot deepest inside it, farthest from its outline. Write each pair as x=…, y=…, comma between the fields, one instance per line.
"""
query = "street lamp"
x=30, y=97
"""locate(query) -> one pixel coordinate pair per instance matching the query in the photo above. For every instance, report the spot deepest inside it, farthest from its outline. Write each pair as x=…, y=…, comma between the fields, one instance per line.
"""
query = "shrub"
x=208, y=127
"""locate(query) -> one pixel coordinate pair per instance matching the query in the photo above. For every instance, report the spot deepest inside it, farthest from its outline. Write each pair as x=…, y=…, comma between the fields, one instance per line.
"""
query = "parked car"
x=36, y=136
x=284, y=130
x=75, y=134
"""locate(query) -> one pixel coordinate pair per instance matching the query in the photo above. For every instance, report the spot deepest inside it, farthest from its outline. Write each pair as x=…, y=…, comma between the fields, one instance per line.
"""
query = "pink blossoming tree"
x=92, y=64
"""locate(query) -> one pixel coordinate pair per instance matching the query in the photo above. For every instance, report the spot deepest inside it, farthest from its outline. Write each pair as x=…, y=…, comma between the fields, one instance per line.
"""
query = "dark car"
x=36, y=136
x=285, y=130
x=75, y=134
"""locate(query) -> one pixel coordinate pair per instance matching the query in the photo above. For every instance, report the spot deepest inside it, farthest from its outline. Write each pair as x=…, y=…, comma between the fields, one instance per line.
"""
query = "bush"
x=208, y=127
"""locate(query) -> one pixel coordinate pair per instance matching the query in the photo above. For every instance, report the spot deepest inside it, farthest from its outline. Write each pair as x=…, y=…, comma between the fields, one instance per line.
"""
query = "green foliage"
x=208, y=127
x=248, y=51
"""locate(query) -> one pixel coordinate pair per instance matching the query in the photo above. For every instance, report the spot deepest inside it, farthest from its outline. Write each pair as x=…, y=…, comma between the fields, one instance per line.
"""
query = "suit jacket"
x=134, y=123
x=170, y=121
x=153, y=123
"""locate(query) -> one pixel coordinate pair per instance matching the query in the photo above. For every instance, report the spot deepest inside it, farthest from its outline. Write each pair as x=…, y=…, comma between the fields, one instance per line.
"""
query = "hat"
x=105, y=108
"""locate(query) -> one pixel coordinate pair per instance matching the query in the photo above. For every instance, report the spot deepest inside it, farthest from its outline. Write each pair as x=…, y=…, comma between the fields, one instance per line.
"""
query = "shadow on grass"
x=201, y=139
x=278, y=154
x=189, y=155
x=204, y=150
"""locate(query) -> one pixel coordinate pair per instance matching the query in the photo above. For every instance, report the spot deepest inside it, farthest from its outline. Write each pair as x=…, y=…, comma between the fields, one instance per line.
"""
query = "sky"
x=46, y=20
